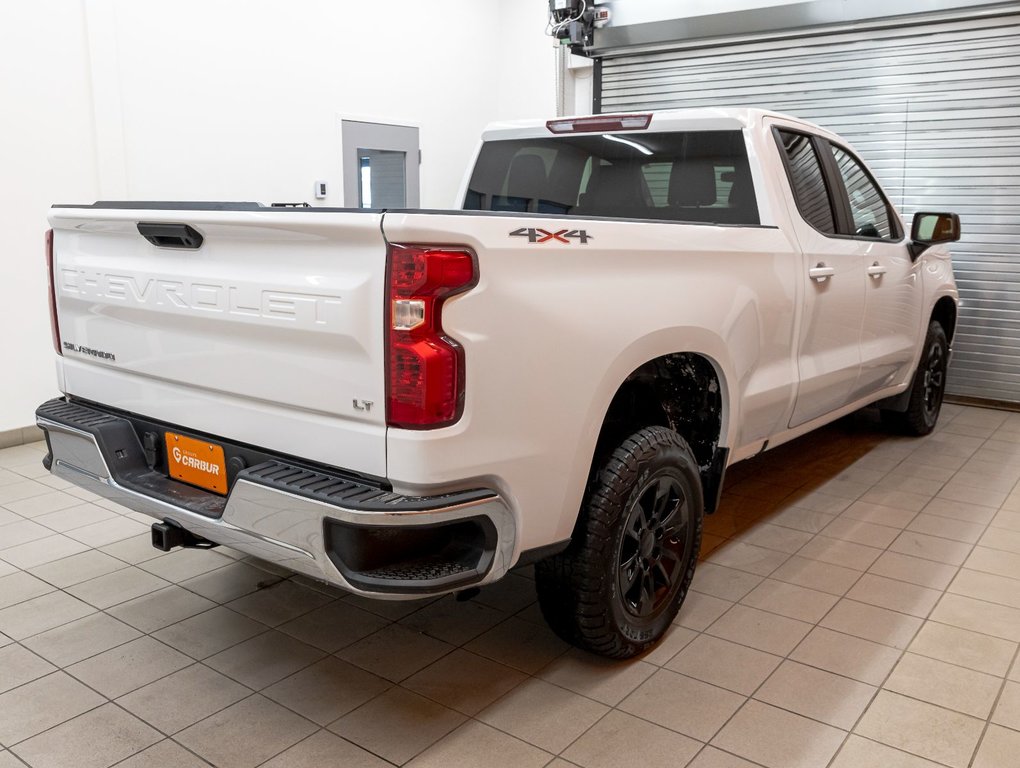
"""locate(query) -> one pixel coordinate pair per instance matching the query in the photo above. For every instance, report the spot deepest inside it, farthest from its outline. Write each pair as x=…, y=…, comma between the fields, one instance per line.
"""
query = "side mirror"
x=931, y=228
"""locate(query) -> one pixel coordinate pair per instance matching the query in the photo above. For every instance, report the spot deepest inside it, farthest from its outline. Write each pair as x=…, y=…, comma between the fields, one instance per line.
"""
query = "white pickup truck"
x=412, y=402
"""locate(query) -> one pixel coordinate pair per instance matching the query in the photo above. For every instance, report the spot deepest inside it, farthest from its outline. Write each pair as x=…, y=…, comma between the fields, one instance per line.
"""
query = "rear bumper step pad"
x=351, y=531
x=119, y=440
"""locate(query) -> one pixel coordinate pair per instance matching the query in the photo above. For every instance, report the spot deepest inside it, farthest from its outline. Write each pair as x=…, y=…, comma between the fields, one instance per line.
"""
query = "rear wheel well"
x=945, y=314
x=681, y=391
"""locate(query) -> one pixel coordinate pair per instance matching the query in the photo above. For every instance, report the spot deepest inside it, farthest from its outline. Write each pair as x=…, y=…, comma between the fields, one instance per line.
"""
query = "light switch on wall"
x=320, y=190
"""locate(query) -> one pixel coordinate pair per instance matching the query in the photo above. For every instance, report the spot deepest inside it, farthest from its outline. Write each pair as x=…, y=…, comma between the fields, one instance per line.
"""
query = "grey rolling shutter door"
x=933, y=108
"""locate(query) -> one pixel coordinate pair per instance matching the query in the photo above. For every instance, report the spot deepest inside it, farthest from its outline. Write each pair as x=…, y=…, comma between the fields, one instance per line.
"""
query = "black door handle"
x=170, y=235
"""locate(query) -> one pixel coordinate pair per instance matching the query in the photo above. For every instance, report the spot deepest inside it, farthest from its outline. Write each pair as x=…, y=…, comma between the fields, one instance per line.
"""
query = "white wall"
x=224, y=100
x=47, y=154
x=580, y=85
x=222, y=105
x=525, y=61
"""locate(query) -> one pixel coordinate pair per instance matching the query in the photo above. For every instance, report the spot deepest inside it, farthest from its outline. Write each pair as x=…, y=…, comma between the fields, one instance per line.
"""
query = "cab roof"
x=700, y=119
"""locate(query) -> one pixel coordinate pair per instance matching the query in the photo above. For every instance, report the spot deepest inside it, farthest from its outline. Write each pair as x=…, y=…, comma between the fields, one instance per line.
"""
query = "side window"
x=868, y=207
x=808, y=182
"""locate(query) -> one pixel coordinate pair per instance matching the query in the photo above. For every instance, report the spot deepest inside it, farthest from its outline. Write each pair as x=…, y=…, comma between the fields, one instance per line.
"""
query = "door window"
x=808, y=182
x=382, y=181
x=869, y=209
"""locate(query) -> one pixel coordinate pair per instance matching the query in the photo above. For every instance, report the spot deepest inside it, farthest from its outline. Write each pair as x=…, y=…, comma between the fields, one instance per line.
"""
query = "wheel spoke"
x=662, y=494
x=660, y=567
x=630, y=579
x=672, y=556
x=675, y=534
x=646, y=509
x=676, y=522
x=647, y=600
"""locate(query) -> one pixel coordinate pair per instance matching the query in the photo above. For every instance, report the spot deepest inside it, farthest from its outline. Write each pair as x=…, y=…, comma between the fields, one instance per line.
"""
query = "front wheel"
x=618, y=586
x=928, y=387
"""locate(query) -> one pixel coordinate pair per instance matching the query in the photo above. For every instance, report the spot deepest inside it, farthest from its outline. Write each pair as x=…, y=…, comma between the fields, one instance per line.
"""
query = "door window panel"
x=868, y=207
x=382, y=181
x=808, y=182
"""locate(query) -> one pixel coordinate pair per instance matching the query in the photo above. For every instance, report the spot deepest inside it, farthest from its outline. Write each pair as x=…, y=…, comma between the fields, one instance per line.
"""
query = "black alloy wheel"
x=927, y=389
x=617, y=587
x=934, y=379
x=654, y=551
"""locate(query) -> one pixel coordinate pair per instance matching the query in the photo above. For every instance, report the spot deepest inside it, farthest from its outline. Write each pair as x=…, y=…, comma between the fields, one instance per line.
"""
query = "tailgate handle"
x=170, y=235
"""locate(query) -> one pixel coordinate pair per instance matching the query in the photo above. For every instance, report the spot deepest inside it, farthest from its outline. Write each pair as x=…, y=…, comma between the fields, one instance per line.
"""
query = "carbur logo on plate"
x=196, y=462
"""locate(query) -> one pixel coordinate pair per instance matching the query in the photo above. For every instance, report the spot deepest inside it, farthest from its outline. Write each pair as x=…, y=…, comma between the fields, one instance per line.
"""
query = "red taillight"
x=425, y=376
x=600, y=124
x=54, y=328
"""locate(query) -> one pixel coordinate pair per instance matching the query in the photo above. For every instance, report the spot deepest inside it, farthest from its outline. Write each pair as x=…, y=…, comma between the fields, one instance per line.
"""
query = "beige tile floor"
x=858, y=607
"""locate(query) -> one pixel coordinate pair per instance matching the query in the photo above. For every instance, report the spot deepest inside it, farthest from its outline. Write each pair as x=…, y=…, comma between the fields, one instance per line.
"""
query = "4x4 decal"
x=545, y=236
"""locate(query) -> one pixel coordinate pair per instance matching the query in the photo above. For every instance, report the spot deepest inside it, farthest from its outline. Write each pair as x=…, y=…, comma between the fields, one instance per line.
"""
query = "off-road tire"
x=927, y=388
x=637, y=537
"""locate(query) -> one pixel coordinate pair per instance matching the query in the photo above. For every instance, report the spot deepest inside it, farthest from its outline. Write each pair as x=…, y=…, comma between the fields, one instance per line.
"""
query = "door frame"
x=341, y=117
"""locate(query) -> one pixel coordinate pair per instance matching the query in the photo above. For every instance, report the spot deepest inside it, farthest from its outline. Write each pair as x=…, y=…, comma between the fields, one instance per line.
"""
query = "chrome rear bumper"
x=287, y=524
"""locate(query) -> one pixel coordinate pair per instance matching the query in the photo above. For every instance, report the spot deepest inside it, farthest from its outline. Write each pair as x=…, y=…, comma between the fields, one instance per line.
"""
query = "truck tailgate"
x=270, y=333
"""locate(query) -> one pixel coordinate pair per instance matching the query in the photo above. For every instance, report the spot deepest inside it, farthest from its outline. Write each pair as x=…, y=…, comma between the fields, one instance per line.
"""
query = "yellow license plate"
x=196, y=462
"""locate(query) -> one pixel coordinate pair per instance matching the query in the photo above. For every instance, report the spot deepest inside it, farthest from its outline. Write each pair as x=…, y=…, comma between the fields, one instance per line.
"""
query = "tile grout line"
x=818, y=624
x=793, y=650
x=391, y=622
x=200, y=662
x=995, y=704
x=786, y=658
x=903, y=653
x=192, y=659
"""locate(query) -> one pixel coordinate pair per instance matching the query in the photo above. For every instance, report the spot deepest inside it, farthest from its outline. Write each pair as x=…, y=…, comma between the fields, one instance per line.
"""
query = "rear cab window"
x=690, y=176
